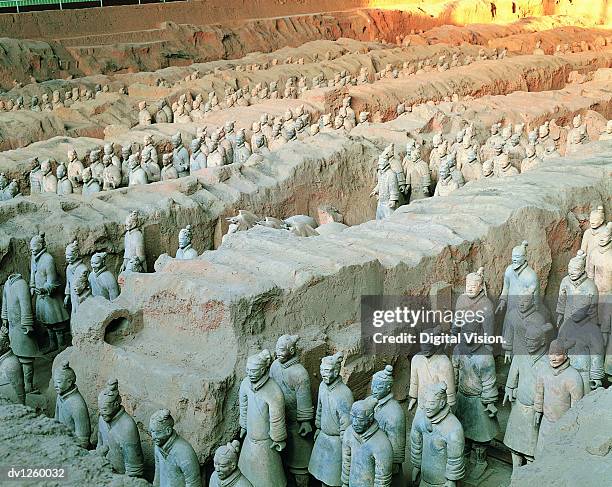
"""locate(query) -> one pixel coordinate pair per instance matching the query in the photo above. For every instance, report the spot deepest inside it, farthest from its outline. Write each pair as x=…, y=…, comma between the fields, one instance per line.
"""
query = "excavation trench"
x=261, y=283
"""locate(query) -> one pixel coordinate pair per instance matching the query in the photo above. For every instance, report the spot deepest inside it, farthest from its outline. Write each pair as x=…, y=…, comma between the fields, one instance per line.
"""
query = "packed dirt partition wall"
x=188, y=329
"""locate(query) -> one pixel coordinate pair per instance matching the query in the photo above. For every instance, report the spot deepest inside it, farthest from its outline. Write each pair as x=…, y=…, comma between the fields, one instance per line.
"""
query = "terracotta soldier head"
x=362, y=414
x=434, y=399
x=382, y=382
x=330, y=367
x=597, y=217
x=132, y=221
x=226, y=459
x=98, y=261
x=72, y=252
x=257, y=365
x=474, y=283
x=184, y=237
x=64, y=378
x=286, y=347
x=577, y=266
x=557, y=352
x=109, y=400
x=519, y=255
x=161, y=426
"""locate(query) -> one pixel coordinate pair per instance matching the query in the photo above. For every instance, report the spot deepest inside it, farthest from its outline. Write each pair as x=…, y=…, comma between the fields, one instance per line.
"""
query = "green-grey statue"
x=292, y=377
x=332, y=419
x=176, y=463
x=390, y=418
x=18, y=318
x=70, y=407
x=437, y=441
x=227, y=473
x=118, y=437
x=262, y=424
x=367, y=454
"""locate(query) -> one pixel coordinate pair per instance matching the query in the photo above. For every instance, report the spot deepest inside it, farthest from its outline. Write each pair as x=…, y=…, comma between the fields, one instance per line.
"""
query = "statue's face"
x=62, y=383
x=35, y=246
x=494, y=129
x=433, y=406
x=518, y=259
x=96, y=264
x=176, y=142
x=596, y=220
x=108, y=409
x=71, y=155
x=255, y=372
x=71, y=256
x=224, y=467
x=329, y=373
x=444, y=173
x=525, y=303
x=575, y=271
x=533, y=344
x=556, y=358
x=473, y=287
x=160, y=434
x=380, y=388
x=131, y=222
x=284, y=352
x=184, y=240
x=360, y=420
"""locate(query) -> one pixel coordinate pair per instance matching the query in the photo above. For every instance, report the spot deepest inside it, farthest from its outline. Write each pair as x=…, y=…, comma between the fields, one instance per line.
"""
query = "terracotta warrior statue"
x=292, y=377
x=531, y=160
x=176, y=462
x=227, y=473
x=197, y=159
x=137, y=174
x=262, y=424
x=90, y=185
x=418, y=179
x=18, y=319
x=150, y=146
x=149, y=166
x=521, y=432
x=332, y=420
x=74, y=265
x=476, y=394
x=185, y=251
x=577, y=308
x=437, y=441
x=387, y=188
x=102, y=281
x=134, y=240
x=46, y=289
x=446, y=183
x=70, y=407
x=35, y=176
x=391, y=419
x=11, y=370
x=144, y=116
x=118, y=436
x=180, y=156
x=82, y=290
x=519, y=278
x=367, y=454
x=64, y=186
x=597, y=220
x=111, y=176
x=558, y=388
x=600, y=270
x=168, y=171
x=75, y=169
x=476, y=301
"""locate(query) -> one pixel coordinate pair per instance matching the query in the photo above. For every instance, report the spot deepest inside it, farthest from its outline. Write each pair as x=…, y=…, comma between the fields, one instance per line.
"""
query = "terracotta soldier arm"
x=243, y=404
x=278, y=428
x=4, y=314
x=562, y=300
x=318, y=414
x=397, y=438
x=383, y=466
x=413, y=392
x=156, y=476
x=305, y=409
x=52, y=280
x=597, y=350
x=451, y=390
x=455, y=466
x=190, y=468
x=538, y=398
x=82, y=427
x=394, y=192
x=346, y=459
x=344, y=414
x=576, y=390
x=416, y=446
x=27, y=320
x=488, y=378
x=503, y=297
x=132, y=459
x=113, y=288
